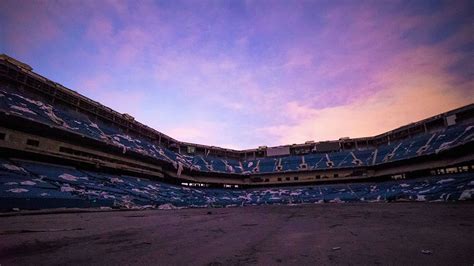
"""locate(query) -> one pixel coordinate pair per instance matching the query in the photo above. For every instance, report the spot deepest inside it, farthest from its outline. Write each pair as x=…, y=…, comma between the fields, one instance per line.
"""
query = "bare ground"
x=323, y=234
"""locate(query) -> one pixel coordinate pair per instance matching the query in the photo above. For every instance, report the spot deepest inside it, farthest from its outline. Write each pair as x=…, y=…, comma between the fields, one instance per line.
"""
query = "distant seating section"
x=69, y=120
x=28, y=185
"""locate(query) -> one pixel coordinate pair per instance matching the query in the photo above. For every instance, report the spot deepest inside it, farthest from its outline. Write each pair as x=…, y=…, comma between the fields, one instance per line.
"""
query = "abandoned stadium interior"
x=236, y=132
x=49, y=132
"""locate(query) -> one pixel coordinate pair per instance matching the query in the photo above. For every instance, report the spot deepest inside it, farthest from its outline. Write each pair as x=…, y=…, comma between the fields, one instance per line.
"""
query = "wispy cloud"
x=247, y=73
x=414, y=85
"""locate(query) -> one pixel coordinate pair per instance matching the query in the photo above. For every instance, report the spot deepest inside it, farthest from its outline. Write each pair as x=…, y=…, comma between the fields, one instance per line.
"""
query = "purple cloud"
x=249, y=73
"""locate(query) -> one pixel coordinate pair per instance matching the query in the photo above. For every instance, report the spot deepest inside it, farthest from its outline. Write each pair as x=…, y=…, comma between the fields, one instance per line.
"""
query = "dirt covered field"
x=318, y=234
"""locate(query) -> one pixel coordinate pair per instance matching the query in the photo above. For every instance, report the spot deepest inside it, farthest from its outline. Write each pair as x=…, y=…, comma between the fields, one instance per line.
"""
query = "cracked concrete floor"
x=319, y=234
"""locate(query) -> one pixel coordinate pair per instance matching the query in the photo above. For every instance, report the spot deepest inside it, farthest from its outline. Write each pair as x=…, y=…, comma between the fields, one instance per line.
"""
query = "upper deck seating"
x=70, y=120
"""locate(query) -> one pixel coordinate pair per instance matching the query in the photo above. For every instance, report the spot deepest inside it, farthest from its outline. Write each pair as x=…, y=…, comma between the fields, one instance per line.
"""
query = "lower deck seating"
x=32, y=185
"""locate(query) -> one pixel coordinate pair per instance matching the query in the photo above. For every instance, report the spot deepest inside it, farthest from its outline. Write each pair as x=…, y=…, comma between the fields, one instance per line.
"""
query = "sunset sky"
x=240, y=74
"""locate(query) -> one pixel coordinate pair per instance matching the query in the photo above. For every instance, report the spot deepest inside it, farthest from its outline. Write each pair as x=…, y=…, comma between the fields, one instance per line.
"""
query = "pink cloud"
x=383, y=111
x=100, y=88
x=414, y=86
x=29, y=26
x=100, y=30
x=285, y=68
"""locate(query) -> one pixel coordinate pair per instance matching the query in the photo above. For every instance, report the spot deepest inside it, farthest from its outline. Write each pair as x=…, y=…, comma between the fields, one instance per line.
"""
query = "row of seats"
x=15, y=104
x=69, y=120
x=33, y=185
